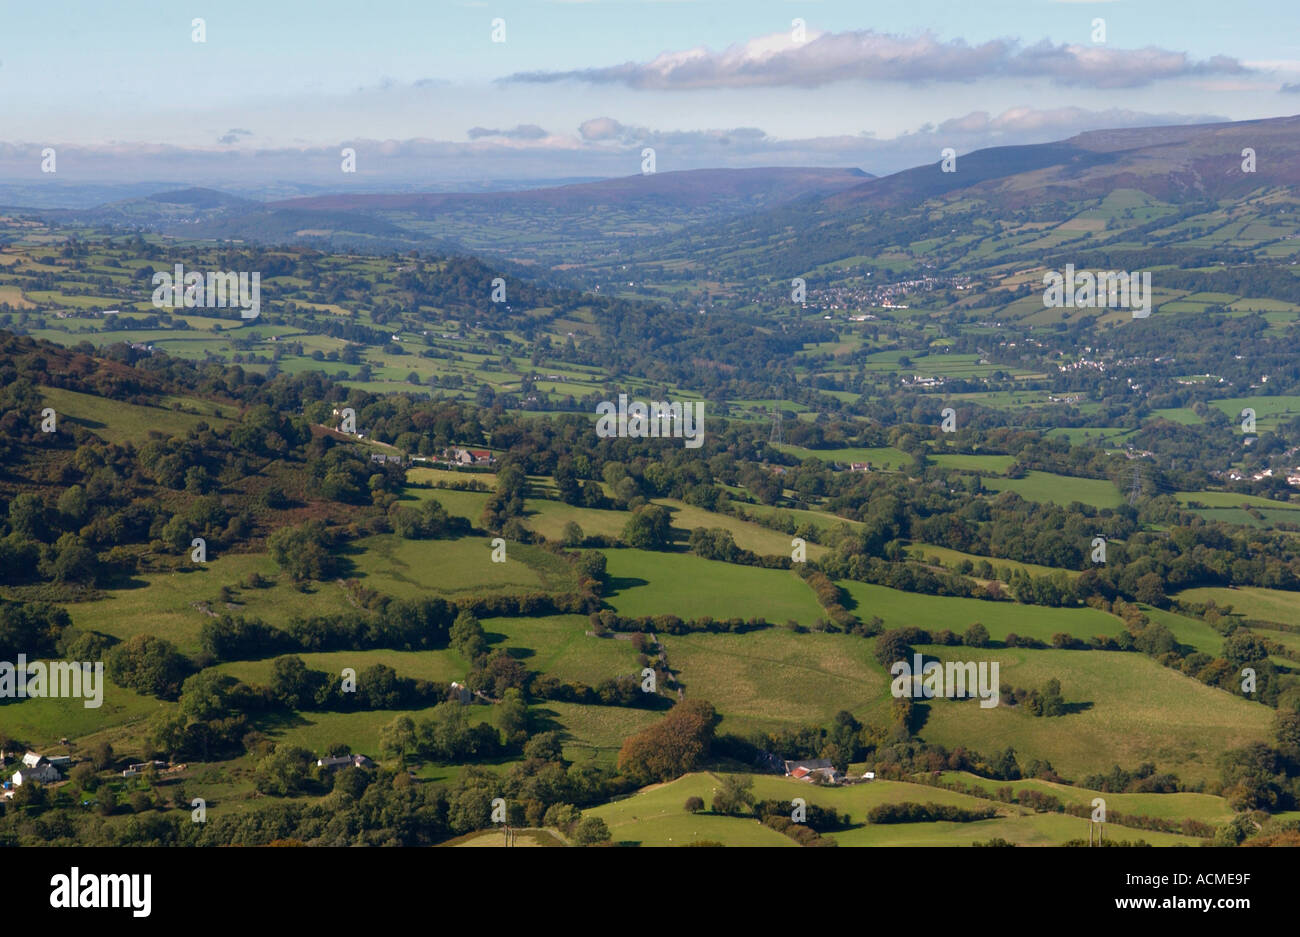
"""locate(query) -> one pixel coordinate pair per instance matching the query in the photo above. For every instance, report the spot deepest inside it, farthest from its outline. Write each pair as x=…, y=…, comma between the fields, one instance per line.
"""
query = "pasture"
x=645, y=582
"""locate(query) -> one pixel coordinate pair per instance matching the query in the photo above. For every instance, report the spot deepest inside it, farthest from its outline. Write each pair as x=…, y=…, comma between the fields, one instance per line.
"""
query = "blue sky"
x=578, y=88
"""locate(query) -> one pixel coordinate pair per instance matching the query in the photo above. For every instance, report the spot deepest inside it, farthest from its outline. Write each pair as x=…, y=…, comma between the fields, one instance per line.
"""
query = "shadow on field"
x=127, y=581
x=545, y=720
x=85, y=421
x=279, y=720
x=618, y=584
x=919, y=717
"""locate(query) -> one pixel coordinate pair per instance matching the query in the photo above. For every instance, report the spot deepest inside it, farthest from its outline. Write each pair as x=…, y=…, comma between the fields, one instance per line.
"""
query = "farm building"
x=472, y=456
x=813, y=769
x=330, y=762
x=44, y=773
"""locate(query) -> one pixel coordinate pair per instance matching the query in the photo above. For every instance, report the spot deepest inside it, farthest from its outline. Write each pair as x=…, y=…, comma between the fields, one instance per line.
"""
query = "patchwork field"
x=900, y=609
x=411, y=568
x=120, y=422
x=560, y=645
x=644, y=582
x=1136, y=711
x=1059, y=489
x=656, y=816
x=763, y=679
x=176, y=605
x=1263, y=604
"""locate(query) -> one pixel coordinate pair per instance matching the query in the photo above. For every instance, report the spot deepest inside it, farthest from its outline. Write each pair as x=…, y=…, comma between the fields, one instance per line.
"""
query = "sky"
x=426, y=98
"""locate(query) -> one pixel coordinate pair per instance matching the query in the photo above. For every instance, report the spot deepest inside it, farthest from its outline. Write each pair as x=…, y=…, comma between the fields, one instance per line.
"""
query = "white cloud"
x=866, y=55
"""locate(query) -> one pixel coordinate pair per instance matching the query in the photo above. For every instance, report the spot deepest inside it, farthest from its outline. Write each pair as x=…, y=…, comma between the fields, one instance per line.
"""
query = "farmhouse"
x=813, y=769
x=330, y=762
x=472, y=456
x=44, y=773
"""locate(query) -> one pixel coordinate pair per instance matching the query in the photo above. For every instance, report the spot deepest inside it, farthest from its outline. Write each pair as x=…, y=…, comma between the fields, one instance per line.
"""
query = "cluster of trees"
x=31, y=628
x=305, y=551
x=607, y=620
x=671, y=747
x=430, y=521
x=649, y=528
x=717, y=543
x=1263, y=776
x=296, y=686
x=1047, y=701
x=832, y=598
x=909, y=812
x=615, y=691
x=148, y=664
x=447, y=737
x=1187, y=826
x=1141, y=780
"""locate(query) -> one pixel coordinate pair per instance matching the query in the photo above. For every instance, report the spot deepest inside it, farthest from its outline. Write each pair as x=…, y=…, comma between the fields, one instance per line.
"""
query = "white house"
x=330, y=762
x=43, y=773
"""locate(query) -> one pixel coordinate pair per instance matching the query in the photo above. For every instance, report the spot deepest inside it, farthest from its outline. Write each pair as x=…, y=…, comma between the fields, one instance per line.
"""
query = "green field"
x=1059, y=489
x=120, y=422
x=748, y=535
x=820, y=519
x=43, y=722
x=591, y=733
x=172, y=605
x=935, y=612
x=885, y=457
x=925, y=552
x=644, y=582
x=559, y=645
x=1205, y=808
x=442, y=666
x=1229, y=499
x=1139, y=711
x=656, y=816
x=1191, y=631
x=412, y=568
x=763, y=679
x=983, y=464
x=1269, y=411
x=1263, y=604
x=359, y=730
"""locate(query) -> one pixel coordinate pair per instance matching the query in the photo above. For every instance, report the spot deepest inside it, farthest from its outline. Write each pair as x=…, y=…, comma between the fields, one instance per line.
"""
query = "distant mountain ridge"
x=559, y=219
x=688, y=187
x=1169, y=163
